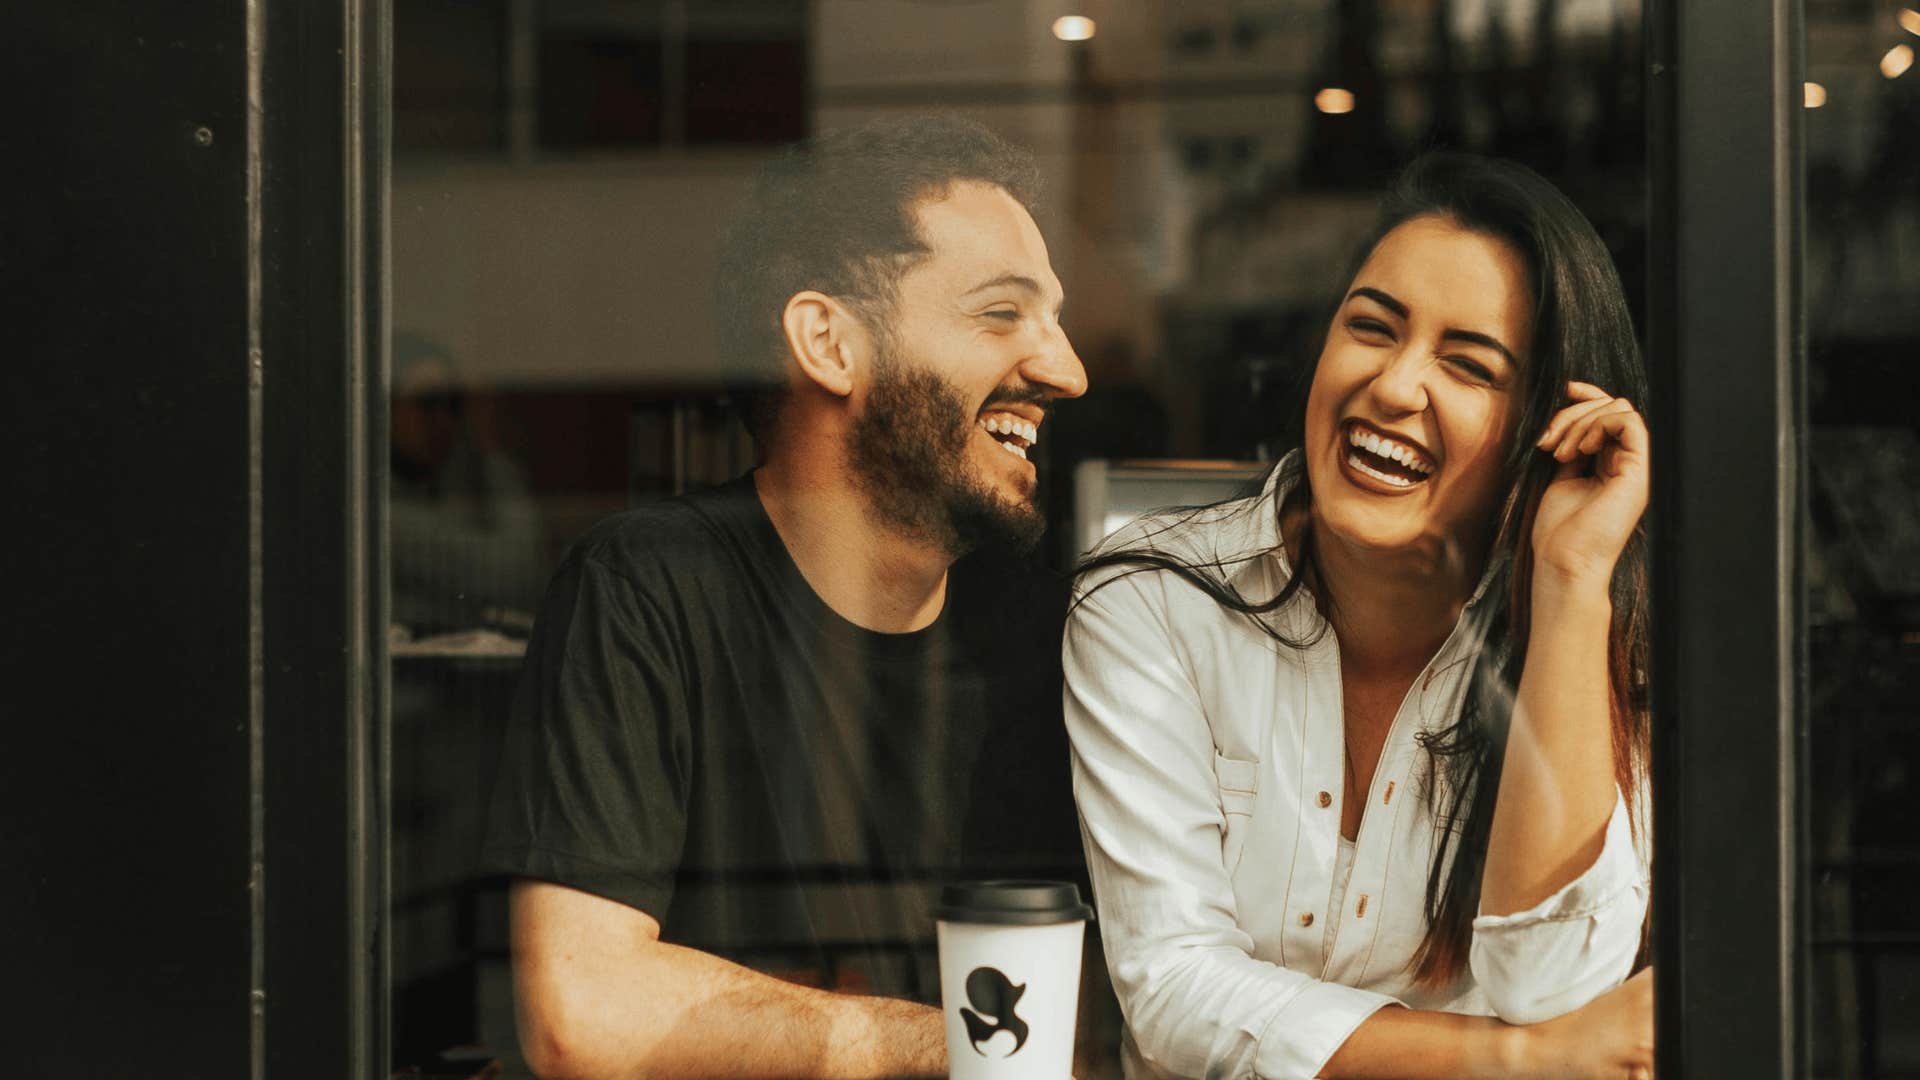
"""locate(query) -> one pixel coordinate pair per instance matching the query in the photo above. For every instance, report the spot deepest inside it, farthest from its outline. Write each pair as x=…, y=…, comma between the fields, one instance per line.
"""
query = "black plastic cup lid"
x=1012, y=903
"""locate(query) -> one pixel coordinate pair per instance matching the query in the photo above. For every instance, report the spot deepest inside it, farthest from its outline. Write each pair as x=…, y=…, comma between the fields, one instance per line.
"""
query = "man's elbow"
x=562, y=1039
x=555, y=1050
x=548, y=1054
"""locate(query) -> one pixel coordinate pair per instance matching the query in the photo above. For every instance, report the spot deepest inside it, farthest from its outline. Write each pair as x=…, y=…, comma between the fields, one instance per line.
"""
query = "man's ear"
x=825, y=340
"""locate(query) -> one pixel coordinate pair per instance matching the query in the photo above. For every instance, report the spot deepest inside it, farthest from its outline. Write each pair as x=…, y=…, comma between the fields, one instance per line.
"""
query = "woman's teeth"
x=1385, y=478
x=1404, y=455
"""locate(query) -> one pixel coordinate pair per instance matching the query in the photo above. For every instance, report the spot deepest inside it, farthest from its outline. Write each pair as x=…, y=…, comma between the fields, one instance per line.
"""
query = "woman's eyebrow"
x=1474, y=337
x=1385, y=300
x=1471, y=337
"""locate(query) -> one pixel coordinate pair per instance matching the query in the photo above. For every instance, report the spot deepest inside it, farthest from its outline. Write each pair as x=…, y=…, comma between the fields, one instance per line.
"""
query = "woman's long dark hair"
x=1582, y=331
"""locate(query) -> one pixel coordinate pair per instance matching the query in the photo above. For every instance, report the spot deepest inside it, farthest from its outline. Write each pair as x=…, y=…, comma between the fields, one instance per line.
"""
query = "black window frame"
x=1727, y=353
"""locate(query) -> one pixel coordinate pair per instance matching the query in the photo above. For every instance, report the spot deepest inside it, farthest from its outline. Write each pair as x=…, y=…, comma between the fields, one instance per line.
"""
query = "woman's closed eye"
x=1471, y=368
x=1369, y=329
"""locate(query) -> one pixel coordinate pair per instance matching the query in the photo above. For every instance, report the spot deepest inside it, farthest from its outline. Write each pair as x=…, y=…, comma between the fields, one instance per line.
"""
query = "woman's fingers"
x=1608, y=423
x=1574, y=440
x=1567, y=417
x=1623, y=426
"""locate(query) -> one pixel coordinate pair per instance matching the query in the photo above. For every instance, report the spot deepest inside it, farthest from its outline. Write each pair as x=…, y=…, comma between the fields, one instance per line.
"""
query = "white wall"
x=593, y=272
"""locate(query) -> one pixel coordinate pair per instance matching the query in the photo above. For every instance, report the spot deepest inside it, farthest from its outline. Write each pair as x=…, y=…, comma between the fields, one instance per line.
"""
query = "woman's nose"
x=1400, y=387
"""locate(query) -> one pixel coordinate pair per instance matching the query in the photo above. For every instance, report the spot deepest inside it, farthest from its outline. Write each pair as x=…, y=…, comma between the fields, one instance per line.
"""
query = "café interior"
x=562, y=168
x=552, y=177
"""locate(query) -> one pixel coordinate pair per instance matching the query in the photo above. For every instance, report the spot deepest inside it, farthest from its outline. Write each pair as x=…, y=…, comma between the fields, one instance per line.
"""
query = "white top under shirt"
x=1203, y=751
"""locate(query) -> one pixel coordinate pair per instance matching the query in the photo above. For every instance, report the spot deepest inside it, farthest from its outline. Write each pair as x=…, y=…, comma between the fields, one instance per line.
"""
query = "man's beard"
x=909, y=455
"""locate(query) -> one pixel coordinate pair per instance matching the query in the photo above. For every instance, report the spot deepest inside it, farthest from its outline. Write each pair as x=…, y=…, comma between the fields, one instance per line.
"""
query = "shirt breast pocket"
x=1239, y=788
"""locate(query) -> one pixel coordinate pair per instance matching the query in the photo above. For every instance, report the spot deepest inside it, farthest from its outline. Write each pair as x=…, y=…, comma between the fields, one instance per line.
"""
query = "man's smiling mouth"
x=1015, y=434
x=1386, y=459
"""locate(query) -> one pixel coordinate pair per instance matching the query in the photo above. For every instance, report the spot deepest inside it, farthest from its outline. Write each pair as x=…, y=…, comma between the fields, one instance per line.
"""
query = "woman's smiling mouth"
x=1385, y=459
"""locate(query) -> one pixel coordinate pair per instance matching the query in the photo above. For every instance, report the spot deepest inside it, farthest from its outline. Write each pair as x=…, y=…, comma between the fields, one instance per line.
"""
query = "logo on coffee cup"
x=993, y=996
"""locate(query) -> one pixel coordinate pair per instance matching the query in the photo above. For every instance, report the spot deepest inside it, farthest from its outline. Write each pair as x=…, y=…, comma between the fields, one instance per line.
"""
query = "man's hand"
x=600, y=995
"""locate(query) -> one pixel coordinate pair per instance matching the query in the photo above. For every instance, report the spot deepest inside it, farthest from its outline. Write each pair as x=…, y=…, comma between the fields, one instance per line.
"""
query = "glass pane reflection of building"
x=1862, y=273
x=561, y=173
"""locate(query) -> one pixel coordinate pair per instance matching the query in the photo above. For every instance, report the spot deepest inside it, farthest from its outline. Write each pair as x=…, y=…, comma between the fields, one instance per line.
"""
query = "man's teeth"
x=1019, y=433
x=1007, y=424
x=1387, y=448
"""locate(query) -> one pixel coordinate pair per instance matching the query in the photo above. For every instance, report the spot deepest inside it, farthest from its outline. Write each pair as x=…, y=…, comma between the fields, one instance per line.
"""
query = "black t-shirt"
x=697, y=735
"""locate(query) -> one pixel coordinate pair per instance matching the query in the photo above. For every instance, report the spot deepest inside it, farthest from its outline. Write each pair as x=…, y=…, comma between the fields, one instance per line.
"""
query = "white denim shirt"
x=1208, y=764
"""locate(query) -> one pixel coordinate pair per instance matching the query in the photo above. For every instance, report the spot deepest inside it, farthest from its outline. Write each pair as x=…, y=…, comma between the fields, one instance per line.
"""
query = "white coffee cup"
x=1010, y=977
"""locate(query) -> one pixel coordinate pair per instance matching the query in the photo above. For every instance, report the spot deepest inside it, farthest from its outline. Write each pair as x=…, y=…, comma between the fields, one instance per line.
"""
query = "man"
x=755, y=723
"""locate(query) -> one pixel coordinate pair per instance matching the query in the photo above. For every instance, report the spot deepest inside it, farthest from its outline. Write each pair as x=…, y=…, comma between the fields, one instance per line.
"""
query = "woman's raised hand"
x=1599, y=489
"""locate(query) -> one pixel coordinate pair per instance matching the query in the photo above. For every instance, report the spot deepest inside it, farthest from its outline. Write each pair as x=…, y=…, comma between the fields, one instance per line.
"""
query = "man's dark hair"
x=835, y=214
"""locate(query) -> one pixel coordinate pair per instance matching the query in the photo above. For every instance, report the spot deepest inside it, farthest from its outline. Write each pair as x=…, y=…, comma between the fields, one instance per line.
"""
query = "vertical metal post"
x=1727, y=354
x=320, y=262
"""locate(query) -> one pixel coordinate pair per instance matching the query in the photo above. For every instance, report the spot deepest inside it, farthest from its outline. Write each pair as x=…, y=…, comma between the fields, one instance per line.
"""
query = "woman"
x=1360, y=759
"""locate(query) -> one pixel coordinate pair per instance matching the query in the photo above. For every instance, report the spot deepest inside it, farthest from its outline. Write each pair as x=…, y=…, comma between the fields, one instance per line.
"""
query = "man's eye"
x=1003, y=314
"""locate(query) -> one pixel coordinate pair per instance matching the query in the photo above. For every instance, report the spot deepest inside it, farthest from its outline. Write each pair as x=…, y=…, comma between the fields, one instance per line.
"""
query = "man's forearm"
x=659, y=1010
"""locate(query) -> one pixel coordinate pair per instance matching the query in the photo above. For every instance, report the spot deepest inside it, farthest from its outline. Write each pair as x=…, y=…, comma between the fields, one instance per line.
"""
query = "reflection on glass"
x=1862, y=272
x=1897, y=61
x=1073, y=28
x=563, y=170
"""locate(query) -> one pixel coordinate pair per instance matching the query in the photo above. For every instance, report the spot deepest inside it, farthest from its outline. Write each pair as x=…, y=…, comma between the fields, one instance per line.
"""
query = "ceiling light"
x=1073, y=28
x=1909, y=20
x=1816, y=95
x=1334, y=100
x=1897, y=61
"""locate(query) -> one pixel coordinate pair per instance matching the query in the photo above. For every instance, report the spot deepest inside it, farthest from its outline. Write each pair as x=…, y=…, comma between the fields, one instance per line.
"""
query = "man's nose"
x=1400, y=387
x=1056, y=366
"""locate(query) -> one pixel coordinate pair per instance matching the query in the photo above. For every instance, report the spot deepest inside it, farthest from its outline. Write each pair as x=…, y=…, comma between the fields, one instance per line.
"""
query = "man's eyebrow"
x=1018, y=281
x=1471, y=337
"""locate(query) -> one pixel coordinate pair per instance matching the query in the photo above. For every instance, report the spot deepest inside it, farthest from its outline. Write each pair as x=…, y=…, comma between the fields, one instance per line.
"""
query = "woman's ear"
x=825, y=340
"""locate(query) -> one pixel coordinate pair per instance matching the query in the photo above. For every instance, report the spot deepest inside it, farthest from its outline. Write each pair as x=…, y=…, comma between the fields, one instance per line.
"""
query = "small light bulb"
x=1816, y=95
x=1334, y=100
x=1909, y=20
x=1073, y=28
x=1897, y=61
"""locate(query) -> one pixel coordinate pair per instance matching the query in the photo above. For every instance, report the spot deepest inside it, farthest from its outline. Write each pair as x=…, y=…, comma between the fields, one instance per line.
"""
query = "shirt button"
x=1306, y=918
x=1326, y=800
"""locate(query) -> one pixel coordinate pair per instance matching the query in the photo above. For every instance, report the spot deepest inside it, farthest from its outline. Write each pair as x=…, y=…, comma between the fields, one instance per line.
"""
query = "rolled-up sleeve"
x=1573, y=946
x=1196, y=1001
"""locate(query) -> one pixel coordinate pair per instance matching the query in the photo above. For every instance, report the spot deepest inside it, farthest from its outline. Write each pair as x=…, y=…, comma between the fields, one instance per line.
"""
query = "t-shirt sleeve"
x=592, y=786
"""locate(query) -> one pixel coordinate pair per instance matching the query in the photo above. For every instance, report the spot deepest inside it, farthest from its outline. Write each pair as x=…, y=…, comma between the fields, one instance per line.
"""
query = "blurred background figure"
x=467, y=538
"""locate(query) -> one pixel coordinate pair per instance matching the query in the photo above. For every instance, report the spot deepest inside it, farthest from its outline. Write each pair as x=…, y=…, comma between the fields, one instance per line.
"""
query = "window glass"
x=1862, y=270
x=563, y=174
